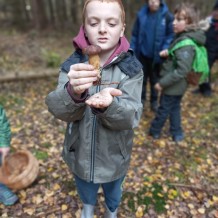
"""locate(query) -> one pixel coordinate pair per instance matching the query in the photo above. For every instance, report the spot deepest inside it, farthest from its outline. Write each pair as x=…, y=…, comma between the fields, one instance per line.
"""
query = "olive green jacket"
x=98, y=146
x=175, y=69
x=5, y=131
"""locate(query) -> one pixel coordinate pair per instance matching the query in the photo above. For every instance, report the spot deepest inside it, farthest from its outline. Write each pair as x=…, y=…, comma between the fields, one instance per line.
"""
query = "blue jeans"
x=169, y=108
x=88, y=192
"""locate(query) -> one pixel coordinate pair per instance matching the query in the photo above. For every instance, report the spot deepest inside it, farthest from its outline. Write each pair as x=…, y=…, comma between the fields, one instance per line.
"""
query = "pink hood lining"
x=80, y=42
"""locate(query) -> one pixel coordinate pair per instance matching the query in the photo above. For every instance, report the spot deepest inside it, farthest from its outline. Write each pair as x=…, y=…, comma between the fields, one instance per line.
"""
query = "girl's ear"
x=123, y=30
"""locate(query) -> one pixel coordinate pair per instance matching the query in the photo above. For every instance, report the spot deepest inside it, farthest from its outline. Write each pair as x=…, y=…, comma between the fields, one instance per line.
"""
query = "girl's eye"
x=180, y=19
x=93, y=24
x=112, y=24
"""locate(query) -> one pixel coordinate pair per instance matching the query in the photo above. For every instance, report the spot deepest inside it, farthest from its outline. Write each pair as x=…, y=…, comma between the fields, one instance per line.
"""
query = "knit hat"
x=215, y=7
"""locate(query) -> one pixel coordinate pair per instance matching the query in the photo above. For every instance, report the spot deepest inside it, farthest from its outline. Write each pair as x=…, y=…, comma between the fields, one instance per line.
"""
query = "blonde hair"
x=118, y=1
x=190, y=12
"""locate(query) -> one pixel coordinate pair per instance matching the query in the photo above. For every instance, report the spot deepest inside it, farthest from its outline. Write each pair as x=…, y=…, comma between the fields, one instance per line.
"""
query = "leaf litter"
x=164, y=180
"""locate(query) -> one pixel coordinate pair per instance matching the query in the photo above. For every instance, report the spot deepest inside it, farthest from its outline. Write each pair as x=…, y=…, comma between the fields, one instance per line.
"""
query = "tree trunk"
x=76, y=11
x=61, y=13
x=18, y=12
x=52, y=19
x=39, y=14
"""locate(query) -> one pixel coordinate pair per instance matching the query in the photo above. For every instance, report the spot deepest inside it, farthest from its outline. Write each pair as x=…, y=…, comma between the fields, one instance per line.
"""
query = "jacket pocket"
x=72, y=137
x=121, y=141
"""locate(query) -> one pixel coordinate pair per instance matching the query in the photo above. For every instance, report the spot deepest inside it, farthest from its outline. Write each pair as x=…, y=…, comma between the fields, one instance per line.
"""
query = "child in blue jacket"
x=152, y=33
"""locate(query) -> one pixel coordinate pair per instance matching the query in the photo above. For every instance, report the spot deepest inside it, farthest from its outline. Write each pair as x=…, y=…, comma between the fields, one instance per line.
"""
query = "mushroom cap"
x=92, y=50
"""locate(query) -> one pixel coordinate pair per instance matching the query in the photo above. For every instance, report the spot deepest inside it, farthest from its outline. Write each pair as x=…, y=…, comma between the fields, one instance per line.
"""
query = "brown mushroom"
x=92, y=51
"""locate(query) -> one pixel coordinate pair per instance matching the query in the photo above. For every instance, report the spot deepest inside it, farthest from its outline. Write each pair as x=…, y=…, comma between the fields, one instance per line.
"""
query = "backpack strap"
x=182, y=43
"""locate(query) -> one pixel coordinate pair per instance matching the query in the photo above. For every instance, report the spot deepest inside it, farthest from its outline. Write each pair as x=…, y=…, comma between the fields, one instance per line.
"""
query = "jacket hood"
x=80, y=42
x=197, y=35
x=161, y=2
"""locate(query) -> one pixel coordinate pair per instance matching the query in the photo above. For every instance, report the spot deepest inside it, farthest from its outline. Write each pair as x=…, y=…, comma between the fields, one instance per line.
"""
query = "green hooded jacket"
x=5, y=131
x=173, y=78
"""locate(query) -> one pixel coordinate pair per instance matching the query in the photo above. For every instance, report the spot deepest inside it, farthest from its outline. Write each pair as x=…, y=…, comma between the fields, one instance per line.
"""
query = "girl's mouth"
x=102, y=40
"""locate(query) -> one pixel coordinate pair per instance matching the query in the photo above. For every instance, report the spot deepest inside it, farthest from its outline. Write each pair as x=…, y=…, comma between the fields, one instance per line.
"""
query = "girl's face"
x=179, y=23
x=154, y=5
x=103, y=24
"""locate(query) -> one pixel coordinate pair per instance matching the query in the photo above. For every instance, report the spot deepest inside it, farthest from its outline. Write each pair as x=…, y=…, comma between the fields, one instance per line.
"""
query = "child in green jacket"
x=7, y=197
x=173, y=82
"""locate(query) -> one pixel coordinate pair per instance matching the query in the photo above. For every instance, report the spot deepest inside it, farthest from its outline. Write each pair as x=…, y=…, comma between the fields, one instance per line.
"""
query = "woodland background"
x=66, y=14
x=165, y=180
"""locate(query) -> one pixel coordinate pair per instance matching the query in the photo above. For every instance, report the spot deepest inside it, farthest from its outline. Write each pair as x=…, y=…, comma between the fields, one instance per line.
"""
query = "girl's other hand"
x=103, y=98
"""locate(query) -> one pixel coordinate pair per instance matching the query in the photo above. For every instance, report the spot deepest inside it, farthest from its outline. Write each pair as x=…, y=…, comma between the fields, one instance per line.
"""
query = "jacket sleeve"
x=61, y=104
x=125, y=111
x=169, y=31
x=183, y=65
x=134, y=37
x=5, y=131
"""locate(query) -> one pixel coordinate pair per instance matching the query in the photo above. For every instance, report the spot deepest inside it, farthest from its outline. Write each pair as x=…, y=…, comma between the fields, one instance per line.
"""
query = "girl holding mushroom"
x=101, y=114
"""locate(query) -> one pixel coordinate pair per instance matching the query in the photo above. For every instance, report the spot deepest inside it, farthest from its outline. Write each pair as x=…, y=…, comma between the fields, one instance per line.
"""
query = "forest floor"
x=165, y=179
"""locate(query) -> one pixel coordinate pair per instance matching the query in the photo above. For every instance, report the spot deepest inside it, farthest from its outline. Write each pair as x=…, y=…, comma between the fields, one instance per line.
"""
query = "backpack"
x=200, y=67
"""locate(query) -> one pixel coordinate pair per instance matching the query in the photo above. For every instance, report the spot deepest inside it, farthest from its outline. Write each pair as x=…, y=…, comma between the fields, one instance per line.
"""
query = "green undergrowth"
x=152, y=195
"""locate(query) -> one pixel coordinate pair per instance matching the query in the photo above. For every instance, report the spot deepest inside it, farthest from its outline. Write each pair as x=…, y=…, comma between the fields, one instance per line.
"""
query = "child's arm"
x=169, y=31
x=60, y=103
x=5, y=134
x=134, y=37
x=5, y=131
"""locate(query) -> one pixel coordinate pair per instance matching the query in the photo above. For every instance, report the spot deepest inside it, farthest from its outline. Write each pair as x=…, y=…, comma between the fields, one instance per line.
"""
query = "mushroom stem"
x=92, y=51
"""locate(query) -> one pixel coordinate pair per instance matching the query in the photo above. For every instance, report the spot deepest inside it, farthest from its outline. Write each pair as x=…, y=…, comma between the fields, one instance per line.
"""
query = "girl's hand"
x=103, y=98
x=81, y=77
x=164, y=53
x=158, y=87
x=4, y=151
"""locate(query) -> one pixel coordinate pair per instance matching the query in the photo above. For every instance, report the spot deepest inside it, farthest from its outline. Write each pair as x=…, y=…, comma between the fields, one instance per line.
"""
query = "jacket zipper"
x=93, y=140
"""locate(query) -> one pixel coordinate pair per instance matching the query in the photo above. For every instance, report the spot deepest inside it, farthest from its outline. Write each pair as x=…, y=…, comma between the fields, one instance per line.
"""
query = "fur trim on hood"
x=202, y=25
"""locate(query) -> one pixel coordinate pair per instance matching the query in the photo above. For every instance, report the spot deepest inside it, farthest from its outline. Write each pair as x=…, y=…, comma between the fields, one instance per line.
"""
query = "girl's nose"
x=102, y=28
